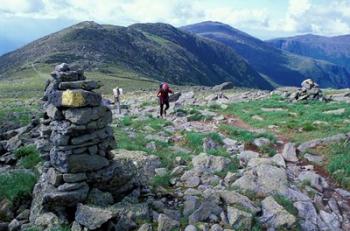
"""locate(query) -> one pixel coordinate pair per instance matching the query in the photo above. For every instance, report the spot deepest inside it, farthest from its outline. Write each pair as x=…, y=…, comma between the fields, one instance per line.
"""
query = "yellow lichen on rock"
x=73, y=98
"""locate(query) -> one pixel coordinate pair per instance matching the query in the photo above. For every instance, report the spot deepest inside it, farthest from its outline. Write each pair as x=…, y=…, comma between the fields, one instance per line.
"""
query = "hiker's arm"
x=171, y=90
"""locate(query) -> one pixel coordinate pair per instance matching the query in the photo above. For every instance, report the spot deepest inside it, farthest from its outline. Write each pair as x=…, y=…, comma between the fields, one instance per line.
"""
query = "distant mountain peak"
x=87, y=24
x=277, y=65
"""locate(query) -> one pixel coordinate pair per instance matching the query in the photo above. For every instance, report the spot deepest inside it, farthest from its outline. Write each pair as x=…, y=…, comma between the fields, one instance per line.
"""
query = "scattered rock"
x=264, y=180
x=238, y=218
x=165, y=223
x=289, y=153
x=274, y=215
x=92, y=217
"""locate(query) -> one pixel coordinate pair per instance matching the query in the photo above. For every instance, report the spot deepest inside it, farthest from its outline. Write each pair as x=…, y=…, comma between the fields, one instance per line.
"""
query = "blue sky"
x=25, y=20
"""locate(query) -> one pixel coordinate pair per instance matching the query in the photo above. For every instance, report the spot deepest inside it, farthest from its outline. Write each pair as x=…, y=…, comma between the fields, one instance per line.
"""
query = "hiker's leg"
x=166, y=107
x=118, y=107
x=161, y=109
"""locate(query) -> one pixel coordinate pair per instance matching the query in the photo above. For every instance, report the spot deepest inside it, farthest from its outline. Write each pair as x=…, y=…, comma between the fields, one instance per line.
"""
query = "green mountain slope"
x=154, y=51
x=280, y=66
x=333, y=49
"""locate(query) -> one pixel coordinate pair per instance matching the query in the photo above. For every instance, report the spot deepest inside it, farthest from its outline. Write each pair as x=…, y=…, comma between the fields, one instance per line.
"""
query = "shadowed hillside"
x=280, y=66
x=156, y=51
x=333, y=49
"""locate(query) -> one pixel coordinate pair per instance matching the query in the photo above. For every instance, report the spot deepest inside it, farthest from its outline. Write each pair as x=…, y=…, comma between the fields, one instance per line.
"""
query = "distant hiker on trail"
x=117, y=92
x=163, y=95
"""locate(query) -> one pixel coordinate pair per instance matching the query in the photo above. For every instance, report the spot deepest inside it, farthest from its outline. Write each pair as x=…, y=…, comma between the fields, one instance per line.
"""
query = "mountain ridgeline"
x=281, y=67
x=156, y=51
x=206, y=53
x=333, y=49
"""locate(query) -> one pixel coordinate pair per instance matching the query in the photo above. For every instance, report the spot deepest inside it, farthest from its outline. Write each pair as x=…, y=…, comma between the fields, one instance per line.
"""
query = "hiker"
x=117, y=92
x=163, y=95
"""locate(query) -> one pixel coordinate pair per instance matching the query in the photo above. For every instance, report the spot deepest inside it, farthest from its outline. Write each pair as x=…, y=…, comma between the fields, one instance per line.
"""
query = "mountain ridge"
x=158, y=51
x=280, y=66
x=334, y=49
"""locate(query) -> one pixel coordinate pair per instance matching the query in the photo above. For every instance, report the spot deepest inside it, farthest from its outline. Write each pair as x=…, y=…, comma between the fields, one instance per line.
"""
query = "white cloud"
x=298, y=7
x=20, y=6
x=301, y=16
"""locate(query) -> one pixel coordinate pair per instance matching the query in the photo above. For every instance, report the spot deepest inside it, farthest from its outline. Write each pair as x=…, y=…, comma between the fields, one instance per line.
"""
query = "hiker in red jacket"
x=163, y=95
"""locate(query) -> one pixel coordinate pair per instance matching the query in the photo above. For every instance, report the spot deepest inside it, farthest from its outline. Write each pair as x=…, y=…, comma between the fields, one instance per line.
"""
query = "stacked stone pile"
x=309, y=90
x=77, y=125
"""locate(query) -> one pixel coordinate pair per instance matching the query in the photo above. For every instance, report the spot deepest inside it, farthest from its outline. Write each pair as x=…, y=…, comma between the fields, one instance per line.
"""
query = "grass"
x=339, y=163
x=16, y=185
x=28, y=156
x=295, y=120
x=194, y=140
x=196, y=115
x=20, y=91
x=157, y=124
x=244, y=135
x=286, y=204
x=267, y=150
x=232, y=167
x=163, y=181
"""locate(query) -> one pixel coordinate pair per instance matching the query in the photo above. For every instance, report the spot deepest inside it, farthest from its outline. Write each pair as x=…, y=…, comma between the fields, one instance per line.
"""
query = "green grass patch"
x=16, y=185
x=339, y=163
x=286, y=204
x=194, y=140
x=267, y=150
x=28, y=156
x=232, y=167
x=163, y=181
x=294, y=119
x=244, y=135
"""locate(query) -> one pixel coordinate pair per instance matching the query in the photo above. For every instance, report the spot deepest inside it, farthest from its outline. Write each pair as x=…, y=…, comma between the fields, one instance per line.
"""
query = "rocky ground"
x=199, y=168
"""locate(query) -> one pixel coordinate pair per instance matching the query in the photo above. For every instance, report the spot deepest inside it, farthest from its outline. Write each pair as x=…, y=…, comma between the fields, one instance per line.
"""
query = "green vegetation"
x=268, y=150
x=33, y=228
x=15, y=185
x=295, y=120
x=196, y=115
x=244, y=135
x=194, y=140
x=232, y=167
x=28, y=156
x=339, y=163
x=286, y=204
x=163, y=181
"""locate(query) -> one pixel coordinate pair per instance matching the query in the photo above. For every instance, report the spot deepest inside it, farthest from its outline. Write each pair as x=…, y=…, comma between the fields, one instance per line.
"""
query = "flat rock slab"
x=339, y=111
x=273, y=109
x=92, y=217
x=264, y=180
x=84, y=84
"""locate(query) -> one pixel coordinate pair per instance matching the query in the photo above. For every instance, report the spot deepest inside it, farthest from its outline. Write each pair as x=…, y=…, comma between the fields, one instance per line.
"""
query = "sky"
x=22, y=21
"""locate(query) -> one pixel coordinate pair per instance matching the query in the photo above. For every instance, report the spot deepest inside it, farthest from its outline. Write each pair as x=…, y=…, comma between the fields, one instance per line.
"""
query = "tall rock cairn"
x=77, y=126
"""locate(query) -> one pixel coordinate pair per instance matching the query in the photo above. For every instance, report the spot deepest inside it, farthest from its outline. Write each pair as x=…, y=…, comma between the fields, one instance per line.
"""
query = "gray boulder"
x=207, y=208
x=239, y=219
x=92, y=217
x=87, y=85
x=210, y=163
x=274, y=215
x=289, y=152
x=263, y=179
x=166, y=223
x=233, y=198
x=314, y=179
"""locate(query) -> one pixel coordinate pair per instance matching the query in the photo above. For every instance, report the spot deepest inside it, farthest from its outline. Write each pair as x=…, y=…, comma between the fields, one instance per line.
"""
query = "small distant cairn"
x=309, y=90
x=76, y=125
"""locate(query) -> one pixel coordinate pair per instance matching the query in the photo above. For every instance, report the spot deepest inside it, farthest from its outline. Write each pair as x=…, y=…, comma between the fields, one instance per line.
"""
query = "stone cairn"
x=309, y=90
x=76, y=125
